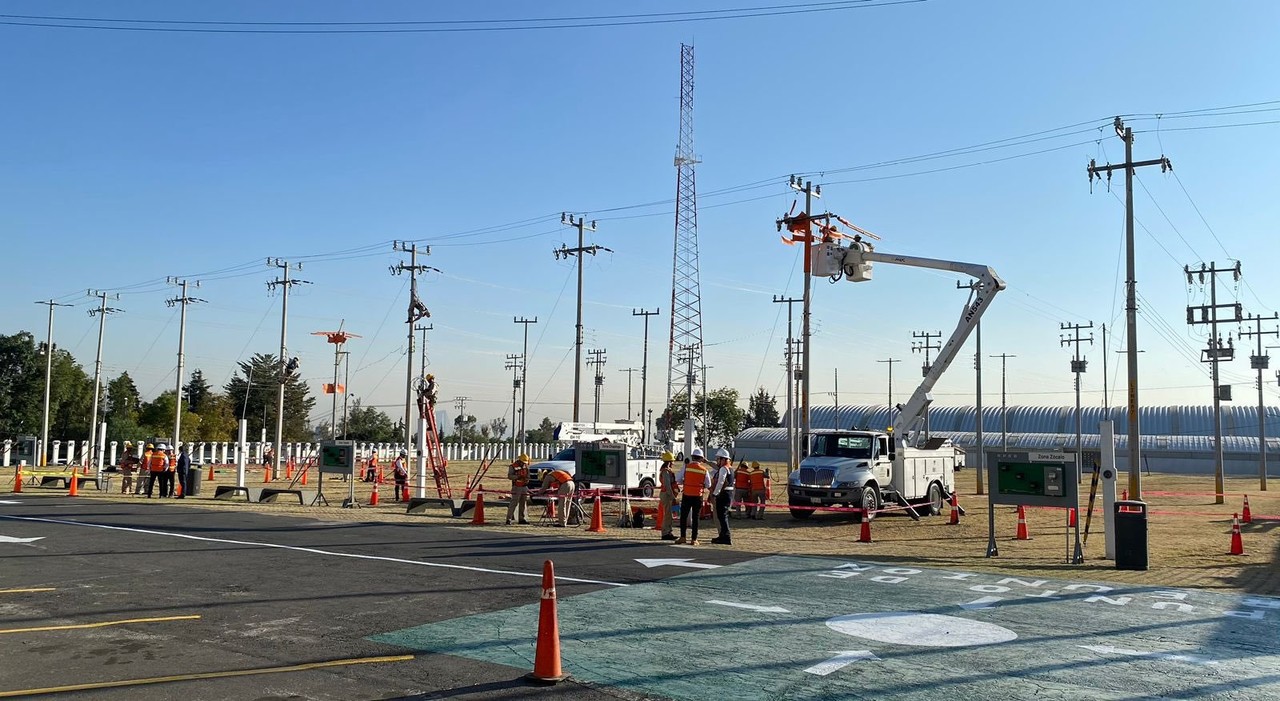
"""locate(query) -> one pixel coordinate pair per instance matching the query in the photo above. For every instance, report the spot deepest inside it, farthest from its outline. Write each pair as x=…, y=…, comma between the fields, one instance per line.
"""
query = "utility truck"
x=640, y=468
x=866, y=469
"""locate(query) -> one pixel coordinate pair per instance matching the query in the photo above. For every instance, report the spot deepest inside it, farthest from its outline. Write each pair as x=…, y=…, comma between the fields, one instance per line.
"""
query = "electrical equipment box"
x=601, y=463
x=338, y=457
x=828, y=259
x=1032, y=479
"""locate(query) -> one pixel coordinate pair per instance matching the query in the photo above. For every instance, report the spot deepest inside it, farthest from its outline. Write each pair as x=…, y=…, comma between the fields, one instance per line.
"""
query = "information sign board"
x=337, y=457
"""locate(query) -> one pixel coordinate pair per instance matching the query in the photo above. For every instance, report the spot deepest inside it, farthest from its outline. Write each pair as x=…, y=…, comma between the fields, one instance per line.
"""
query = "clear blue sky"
x=133, y=155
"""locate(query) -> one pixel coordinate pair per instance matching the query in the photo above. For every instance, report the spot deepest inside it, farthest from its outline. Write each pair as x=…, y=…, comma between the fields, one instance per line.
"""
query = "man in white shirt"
x=722, y=492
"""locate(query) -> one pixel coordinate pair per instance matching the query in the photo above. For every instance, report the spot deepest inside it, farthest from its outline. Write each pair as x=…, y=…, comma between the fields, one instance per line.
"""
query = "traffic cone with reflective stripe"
x=1246, y=516
x=1071, y=518
x=657, y=520
x=288, y=469
x=546, y=657
x=477, y=516
x=865, y=535
x=373, y=496
x=17, y=479
x=955, y=510
x=1237, y=543
x=1022, y=524
x=73, y=484
x=597, y=518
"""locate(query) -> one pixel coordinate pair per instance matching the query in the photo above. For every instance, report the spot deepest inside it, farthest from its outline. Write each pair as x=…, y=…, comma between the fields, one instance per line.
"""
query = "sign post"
x=337, y=457
x=1035, y=478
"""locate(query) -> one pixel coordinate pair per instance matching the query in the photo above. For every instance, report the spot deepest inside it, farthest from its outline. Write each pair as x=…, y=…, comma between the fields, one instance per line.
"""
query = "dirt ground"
x=1189, y=534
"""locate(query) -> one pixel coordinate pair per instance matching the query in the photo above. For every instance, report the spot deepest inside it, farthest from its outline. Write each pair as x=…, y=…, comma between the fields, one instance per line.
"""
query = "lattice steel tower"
x=686, y=294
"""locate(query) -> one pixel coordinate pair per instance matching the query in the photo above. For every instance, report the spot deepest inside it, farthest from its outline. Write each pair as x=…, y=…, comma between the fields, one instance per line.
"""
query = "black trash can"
x=191, y=487
x=1131, y=535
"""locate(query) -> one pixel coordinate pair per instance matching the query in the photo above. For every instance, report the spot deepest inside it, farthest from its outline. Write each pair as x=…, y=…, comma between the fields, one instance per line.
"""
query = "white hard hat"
x=697, y=453
x=163, y=446
x=722, y=453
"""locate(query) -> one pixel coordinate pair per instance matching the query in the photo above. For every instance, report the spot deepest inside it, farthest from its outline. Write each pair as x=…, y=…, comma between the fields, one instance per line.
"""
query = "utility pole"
x=976, y=288
x=791, y=424
x=925, y=345
x=101, y=312
x=629, y=371
x=346, y=388
x=810, y=191
x=890, y=361
x=422, y=354
x=597, y=359
x=514, y=363
x=1261, y=362
x=48, y=380
x=1131, y=290
x=286, y=367
x=1215, y=353
x=835, y=395
x=1078, y=366
x=524, y=374
x=564, y=252
x=793, y=384
x=1004, y=407
x=182, y=300
x=417, y=312
x=644, y=370
x=460, y=403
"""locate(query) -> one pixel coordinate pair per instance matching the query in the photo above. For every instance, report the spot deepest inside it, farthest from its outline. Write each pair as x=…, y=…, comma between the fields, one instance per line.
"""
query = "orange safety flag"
x=330, y=388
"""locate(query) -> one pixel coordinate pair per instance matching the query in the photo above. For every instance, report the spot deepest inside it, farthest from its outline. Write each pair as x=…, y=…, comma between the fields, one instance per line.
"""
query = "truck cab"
x=843, y=468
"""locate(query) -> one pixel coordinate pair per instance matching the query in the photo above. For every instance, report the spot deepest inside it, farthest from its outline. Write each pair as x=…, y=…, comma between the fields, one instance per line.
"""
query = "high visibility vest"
x=695, y=479
x=559, y=477
x=156, y=462
x=757, y=480
x=519, y=476
x=741, y=479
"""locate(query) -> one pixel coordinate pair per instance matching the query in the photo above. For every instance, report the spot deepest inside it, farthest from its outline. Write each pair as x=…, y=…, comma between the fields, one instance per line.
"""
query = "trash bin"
x=191, y=487
x=1131, y=535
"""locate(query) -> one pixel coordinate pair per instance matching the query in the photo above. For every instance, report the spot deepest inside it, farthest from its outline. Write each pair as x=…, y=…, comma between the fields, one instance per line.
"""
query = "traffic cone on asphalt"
x=17, y=480
x=865, y=535
x=546, y=657
x=1237, y=543
x=1246, y=516
x=1022, y=524
x=477, y=516
x=955, y=510
x=1071, y=518
x=73, y=486
x=373, y=496
x=597, y=518
x=657, y=520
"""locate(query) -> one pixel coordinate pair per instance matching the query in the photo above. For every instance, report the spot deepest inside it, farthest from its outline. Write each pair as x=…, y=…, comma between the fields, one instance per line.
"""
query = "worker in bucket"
x=722, y=491
x=695, y=480
x=668, y=493
x=518, y=473
x=561, y=484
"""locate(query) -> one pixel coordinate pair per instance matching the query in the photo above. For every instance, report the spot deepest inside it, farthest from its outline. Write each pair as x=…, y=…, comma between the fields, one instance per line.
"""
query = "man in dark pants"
x=157, y=466
x=695, y=478
x=722, y=491
x=184, y=465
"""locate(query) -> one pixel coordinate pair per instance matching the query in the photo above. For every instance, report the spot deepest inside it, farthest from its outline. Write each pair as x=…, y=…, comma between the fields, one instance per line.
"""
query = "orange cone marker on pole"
x=955, y=510
x=477, y=516
x=546, y=658
x=17, y=480
x=1022, y=524
x=1237, y=543
x=1246, y=516
x=373, y=496
x=597, y=518
x=865, y=535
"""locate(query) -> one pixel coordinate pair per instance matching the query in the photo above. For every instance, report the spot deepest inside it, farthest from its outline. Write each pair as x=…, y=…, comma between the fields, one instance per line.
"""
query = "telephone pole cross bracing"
x=1261, y=362
x=597, y=359
x=1131, y=290
x=1078, y=366
x=183, y=300
x=48, y=379
x=926, y=345
x=792, y=461
x=524, y=373
x=564, y=252
x=644, y=371
x=417, y=311
x=96, y=441
x=286, y=367
x=1216, y=352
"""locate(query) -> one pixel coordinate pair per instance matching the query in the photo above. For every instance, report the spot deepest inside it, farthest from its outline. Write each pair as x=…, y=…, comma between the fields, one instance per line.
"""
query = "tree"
x=253, y=390
x=371, y=424
x=197, y=391
x=762, y=410
x=723, y=420
x=498, y=427
x=217, y=419
x=123, y=405
x=70, y=398
x=156, y=418
x=464, y=429
x=544, y=433
x=21, y=385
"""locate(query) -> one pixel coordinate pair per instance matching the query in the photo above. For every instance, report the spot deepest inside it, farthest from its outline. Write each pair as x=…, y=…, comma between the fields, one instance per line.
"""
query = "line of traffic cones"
x=1022, y=524
x=1237, y=543
x=597, y=518
x=17, y=480
x=477, y=516
x=1246, y=516
x=955, y=510
x=546, y=658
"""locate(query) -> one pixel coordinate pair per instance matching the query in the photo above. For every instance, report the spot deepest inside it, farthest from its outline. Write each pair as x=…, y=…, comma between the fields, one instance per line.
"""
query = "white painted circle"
x=923, y=629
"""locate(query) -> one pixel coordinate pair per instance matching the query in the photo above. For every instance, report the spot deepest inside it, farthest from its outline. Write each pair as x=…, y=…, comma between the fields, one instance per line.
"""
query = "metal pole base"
x=992, y=549
x=350, y=504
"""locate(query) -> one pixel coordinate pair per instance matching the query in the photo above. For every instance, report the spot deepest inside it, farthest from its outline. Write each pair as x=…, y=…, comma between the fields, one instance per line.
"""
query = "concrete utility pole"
x=1131, y=291
x=1215, y=353
x=597, y=359
x=182, y=300
x=793, y=382
x=48, y=380
x=810, y=191
x=564, y=252
x=1261, y=362
x=1004, y=407
x=1078, y=366
x=101, y=312
x=629, y=372
x=835, y=395
x=791, y=424
x=975, y=288
x=286, y=367
x=925, y=345
x=515, y=364
x=524, y=374
x=346, y=388
x=890, y=362
x=644, y=370
x=417, y=311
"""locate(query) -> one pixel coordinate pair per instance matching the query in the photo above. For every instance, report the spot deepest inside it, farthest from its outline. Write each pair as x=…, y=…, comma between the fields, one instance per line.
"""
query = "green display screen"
x=601, y=463
x=337, y=456
x=1031, y=479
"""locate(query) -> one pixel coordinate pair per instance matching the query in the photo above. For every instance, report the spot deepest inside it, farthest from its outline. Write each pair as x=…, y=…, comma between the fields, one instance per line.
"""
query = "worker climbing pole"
x=437, y=464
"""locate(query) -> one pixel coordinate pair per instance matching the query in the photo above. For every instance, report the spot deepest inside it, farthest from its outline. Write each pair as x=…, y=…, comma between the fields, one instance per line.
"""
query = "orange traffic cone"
x=373, y=496
x=477, y=516
x=551, y=507
x=1071, y=518
x=288, y=470
x=266, y=474
x=546, y=658
x=1022, y=524
x=657, y=519
x=1237, y=544
x=177, y=488
x=380, y=478
x=1247, y=515
x=955, y=510
x=1124, y=495
x=210, y=478
x=404, y=493
x=73, y=484
x=304, y=476
x=865, y=535
x=17, y=480
x=597, y=518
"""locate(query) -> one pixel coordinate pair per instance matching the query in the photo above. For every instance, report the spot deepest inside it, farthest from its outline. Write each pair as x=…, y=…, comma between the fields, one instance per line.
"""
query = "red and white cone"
x=1246, y=516
x=955, y=510
x=1237, y=543
x=865, y=535
x=373, y=496
x=1022, y=524
x=546, y=658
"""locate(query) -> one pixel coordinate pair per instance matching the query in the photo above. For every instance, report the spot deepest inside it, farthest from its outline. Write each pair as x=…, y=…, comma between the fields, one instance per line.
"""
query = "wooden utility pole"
x=564, y=252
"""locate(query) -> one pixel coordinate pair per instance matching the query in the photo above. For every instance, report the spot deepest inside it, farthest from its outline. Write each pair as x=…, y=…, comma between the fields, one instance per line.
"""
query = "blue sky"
x=131, y=156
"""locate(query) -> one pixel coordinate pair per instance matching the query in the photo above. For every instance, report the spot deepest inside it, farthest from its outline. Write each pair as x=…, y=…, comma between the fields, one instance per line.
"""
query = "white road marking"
x=920, y=629
x=314, y=551
x=11, y=539
x=840, y=661
x=749, y=607
x=1170, y=656
x=981, y=603
x=10, y=502
x=675, y=562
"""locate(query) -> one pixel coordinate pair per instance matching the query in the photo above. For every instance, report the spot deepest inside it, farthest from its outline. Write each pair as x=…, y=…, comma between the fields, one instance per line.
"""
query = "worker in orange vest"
x=157, y=465
x=518, y=473
x=561, y=484
x=371, y=469
x=668, y=493
x=741, y=489
x=695, y=478
x=758, y=489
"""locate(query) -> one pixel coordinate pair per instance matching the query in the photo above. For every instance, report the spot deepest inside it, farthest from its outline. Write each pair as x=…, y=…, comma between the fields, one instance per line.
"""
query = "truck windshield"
x=843, y=446
x=566, y=454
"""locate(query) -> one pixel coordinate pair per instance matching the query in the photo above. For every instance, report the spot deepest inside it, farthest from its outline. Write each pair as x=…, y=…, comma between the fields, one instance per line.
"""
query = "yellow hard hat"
x=668, y=457
x=430, y=376
x=524, y=458
x=149, y=446
x=755, y=465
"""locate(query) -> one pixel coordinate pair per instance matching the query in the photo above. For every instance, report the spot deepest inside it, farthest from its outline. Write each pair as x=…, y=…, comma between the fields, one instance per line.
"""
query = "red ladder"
x=436, y=461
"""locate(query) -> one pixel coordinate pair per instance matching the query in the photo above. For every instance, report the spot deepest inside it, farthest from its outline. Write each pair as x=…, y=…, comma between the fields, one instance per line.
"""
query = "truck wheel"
x=868, y=501
x=935, y=499
x=800, y=514
x=646, y=488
